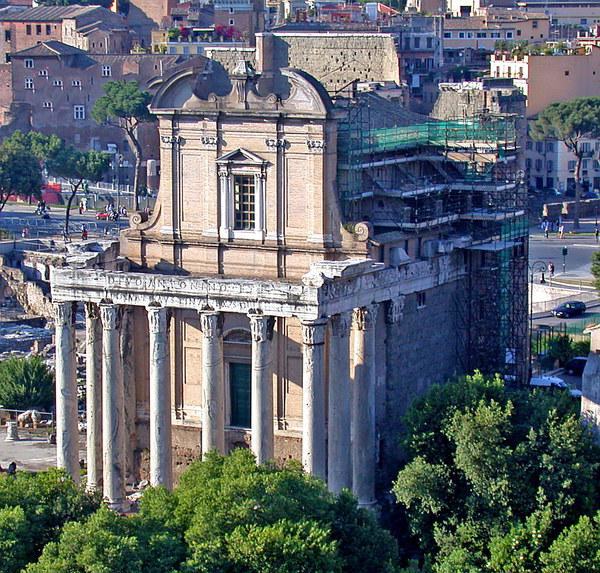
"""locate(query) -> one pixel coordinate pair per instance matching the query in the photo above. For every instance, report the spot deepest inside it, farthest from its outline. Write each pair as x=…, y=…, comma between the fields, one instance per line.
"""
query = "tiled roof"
x=45, y=13
x=50, y=48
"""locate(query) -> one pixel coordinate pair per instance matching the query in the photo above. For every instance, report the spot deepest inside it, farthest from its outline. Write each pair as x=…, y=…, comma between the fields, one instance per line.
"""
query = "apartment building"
x=484, y=31
x=91, y=28
x=61, y=83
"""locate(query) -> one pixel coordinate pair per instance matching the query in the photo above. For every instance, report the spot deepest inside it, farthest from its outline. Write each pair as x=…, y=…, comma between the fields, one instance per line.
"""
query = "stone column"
x=339, y=454
x=128, y=361
x=363, y=406
x=67, y=439
x=213, y=403
x=160, y=398
x=113, y=414
x=313, y=398
x=262, y=387
x=93, y=392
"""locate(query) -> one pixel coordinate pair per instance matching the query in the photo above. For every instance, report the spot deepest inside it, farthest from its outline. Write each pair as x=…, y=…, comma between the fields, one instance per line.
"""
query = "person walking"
x=597, y=233
x=561, y=231
x=84, y=233
x=551, y=269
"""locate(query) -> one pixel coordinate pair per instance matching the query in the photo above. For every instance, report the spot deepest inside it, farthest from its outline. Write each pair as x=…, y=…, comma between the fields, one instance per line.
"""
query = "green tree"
x=570, y=122
x=46, y=500
x=576, y=549
x=77, y=167
x=26, y=383
x=20, y=171
x=239, y=517
x=486, y=462
x=596, y=268
x=109, y=543
x=125, y=106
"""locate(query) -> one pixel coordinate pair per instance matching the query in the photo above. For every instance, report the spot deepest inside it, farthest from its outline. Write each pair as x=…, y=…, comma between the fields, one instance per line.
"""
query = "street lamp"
x=539, y=266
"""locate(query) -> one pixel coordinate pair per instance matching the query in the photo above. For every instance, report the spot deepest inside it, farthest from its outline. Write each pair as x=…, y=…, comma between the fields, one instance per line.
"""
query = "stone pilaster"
x=67, y=447
x=93, y=392
x=213, y=403
x=363, y=406
x=313, y=398
x=339, y=454
x=261, y=328
x=160, y=398
x=113, y=412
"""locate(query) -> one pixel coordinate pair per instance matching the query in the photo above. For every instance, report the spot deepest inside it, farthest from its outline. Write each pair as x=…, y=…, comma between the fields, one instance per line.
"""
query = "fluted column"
x=363, y=406
x=261, y=328
x=93, y=392
x=67, y=448
x=127, y=345
x=339, y=456
x=213, y=403
x=313, y=398
x=113, y=414
x=160, y=398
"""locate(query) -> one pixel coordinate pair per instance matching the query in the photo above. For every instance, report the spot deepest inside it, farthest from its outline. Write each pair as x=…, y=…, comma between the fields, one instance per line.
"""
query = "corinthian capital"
x=157, y=319
x=211, y=323
x=313, y=332
x=63, y=313
x=364, y=317
x=110, y=316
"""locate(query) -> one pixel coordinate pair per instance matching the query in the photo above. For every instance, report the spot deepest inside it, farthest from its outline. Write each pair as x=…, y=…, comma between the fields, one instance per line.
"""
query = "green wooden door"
x=239, y=392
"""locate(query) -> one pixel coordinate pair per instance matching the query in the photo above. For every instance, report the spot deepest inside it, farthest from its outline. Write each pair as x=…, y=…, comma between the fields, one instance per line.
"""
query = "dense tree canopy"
x=571, y=122
x=26, y=383
x=489, y=467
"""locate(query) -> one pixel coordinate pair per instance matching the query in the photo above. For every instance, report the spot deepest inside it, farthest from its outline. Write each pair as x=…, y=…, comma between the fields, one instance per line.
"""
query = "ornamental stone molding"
x=364, y=317
x=316, y=145
x=172, y=139
x=209, y=140
x=91, y=311
x=261, y=327
x=63, y=313
x=395, y=310
x=276, y=143
x=157, y=319
x=211, y=323
x=110, y=316
x=313, y=332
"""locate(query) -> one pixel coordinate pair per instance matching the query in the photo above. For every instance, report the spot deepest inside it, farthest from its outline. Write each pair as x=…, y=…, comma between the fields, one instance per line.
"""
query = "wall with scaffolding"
x=455, y=182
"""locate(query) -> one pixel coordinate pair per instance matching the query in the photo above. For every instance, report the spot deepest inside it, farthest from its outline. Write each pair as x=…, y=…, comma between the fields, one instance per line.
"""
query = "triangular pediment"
x=242, y=156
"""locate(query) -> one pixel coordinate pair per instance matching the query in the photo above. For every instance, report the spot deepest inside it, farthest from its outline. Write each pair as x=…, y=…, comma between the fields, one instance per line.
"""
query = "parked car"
x=569, y=309
x=576, y=365
x=102, y=216
x=589, y=195
x=548, y=382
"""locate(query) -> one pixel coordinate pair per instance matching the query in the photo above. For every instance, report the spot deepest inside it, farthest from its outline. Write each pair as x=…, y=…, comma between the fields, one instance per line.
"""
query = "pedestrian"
x=84, y=233
x=546, y=229
x=12, y=469
x=551, y=269
x=66, y=237
x=597, y=233
x=561, y=231
x=81, y=207
x=25, y=232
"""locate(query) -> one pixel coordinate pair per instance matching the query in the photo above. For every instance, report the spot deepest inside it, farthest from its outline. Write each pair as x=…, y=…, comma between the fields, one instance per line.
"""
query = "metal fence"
x=9, y=415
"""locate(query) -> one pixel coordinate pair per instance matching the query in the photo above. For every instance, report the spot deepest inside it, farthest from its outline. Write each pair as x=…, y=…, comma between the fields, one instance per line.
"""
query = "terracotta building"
x=307, y=271
x=60, y=84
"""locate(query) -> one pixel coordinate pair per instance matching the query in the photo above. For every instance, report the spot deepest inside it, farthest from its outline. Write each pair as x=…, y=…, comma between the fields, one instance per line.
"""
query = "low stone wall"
x=587, y=208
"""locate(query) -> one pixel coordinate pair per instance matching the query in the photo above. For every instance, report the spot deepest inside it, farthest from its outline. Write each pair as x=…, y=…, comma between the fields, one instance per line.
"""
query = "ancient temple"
x=251, y=309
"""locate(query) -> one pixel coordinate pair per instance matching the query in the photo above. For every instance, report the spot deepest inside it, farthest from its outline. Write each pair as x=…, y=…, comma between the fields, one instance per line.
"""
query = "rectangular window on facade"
x=534, y=24
x=429, y=43
x=76, y=83
x=231, y=22
x=106, y=71
x=47, y=105
x=48, y=30
x=509, y=35
x=28, y=63
x=7, y=35
x=461, y=34
x=57, y=83
x=38, y=29
x=571, y=165
x=28, y=83
x=549, y=165
x=481, y=34
x=539, y=146
x=529, y=144
x=528, y=163
x=447, y=34
x=596, y=165
x=244, y=202
x=421, y=299
x=78, y=112
x=549, y=146
x=586, y=147
x=43, y=73
x=538, y=164
x=28, y=29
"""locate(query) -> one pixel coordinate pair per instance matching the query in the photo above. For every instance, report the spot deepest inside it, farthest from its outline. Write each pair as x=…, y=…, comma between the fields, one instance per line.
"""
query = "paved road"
x=578, y=260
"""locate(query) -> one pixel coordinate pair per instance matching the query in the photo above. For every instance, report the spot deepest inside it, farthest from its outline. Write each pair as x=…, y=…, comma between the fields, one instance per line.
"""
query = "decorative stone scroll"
x=364, y=317
x=209, y=140
x=395, y=310
x=273, y=143
x=172, y=139
x=316, y=145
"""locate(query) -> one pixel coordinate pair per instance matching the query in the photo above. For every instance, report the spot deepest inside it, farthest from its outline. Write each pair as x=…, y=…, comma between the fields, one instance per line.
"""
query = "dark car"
x=569, y=309
x=576, y=365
